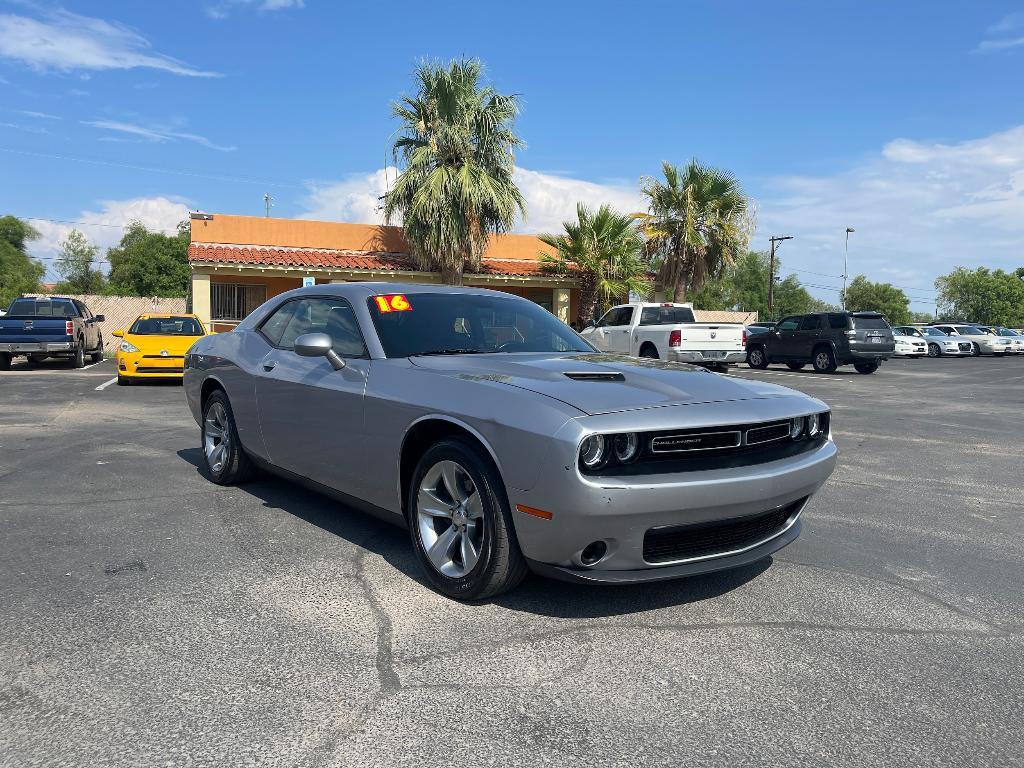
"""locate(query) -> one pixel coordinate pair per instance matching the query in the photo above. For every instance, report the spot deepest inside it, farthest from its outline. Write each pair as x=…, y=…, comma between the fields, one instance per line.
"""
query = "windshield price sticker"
x=396, y=303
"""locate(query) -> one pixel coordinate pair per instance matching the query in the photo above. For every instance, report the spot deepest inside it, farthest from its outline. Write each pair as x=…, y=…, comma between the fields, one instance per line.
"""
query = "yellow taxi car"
x=155, y=346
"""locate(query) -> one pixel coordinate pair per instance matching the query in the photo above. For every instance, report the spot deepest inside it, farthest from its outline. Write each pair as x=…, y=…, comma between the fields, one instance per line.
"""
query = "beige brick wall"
x=121, y=311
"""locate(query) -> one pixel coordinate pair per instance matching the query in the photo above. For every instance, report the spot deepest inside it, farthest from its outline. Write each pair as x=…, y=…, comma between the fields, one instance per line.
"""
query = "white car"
x=1016, y=339
x=982, y=343
x=908, y=345
x=938, y=343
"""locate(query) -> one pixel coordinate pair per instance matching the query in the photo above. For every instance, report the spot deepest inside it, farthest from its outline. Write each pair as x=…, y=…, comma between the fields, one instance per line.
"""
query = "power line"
x=153, y=169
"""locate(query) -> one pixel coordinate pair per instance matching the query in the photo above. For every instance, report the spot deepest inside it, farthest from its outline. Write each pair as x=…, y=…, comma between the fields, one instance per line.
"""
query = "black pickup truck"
x=50, y=326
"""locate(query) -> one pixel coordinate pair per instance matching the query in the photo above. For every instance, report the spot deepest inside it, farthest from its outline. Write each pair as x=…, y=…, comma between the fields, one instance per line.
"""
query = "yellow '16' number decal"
x=396, y=303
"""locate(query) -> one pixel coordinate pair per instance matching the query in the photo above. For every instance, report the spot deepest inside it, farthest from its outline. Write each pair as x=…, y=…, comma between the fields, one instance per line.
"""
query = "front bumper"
x=621, y=510
x=706, y=356
x=23, y=348
x=910, y=351
x=137, y=365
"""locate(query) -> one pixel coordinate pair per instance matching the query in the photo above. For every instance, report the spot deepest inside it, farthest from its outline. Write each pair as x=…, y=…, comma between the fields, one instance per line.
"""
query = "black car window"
x=462, y=323
x=316, y=314
x=870, y=323
x=811, y=323
x=620, y=316
x=607, y=317
x=42, y=308
x=666, y=315
x=837, y=320
x=789, y=324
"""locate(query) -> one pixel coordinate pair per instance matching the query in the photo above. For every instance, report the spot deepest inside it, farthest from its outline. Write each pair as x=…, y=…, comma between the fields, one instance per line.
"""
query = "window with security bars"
x=231, y=302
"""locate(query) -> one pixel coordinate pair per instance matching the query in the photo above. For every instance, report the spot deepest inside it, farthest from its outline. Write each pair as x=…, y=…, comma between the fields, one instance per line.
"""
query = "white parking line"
x=106, y=384
x=91, y=365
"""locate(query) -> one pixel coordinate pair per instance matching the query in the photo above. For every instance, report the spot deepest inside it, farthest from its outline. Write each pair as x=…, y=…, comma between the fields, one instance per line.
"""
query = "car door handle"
x=269, y=365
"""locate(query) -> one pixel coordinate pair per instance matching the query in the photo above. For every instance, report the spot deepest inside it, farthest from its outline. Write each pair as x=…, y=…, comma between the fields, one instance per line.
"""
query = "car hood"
x=153, y=345
x=598, y=383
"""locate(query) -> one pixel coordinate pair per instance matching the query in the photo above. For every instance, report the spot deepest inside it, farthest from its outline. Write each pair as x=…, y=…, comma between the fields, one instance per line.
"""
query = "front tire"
x=97, y=356
x=975, y=350
x=824, y=360
x=866, y=368
x=226, y=460
x=461, y=524
x=756, y=358
x=934, y=350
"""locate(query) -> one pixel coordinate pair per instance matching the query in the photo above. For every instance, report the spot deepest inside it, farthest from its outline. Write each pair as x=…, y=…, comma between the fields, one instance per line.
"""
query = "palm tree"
x=604, y=250
x=696, y=225
x=456, y=144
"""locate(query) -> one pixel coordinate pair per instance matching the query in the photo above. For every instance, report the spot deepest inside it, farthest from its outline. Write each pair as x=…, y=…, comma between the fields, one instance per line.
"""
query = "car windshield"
x=967, y=330
x=166, y=326
x=42, y=308
x=1006, y=332
x=933, y=332
x=466, y=323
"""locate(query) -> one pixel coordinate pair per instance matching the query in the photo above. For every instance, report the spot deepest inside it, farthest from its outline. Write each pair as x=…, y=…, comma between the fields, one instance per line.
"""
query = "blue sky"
x=903, y=120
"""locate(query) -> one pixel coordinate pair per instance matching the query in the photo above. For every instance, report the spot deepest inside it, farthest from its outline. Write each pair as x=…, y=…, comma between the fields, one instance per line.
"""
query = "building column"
x=560, y=304
x=201, y=304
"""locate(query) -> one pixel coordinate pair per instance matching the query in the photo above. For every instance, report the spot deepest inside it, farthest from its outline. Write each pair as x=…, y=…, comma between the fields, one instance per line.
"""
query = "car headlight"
x=626, y=446
x=593, y=451
x=813, y=425
x=127, y=346
x=796, y=429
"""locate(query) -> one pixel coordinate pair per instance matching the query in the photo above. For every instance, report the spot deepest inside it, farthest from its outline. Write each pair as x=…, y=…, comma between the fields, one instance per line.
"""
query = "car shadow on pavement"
x=537, y=595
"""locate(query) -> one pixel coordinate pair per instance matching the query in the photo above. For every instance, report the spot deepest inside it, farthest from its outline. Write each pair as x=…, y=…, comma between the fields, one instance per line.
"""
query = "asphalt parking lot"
x=150, y=617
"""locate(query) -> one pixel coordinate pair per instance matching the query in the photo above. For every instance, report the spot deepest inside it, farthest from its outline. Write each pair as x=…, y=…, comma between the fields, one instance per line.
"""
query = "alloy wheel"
x=216, y=437
x=821, y=361
x=450, y=519
x=933, y=350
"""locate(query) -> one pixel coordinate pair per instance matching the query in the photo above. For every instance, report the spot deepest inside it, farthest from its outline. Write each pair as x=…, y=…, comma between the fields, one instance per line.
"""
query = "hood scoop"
x=595, y=375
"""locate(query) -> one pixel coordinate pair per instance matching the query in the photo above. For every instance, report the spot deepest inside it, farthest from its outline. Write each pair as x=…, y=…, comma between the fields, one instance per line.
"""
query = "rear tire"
x=5, y=361
x=226, y=460
x=934, y=350
x=824, y=360
x=649, y=351
x=756, y=358
x=97, y=356
x=795, y=366
x=866, y=368
x=78, y=361
x=438, y=536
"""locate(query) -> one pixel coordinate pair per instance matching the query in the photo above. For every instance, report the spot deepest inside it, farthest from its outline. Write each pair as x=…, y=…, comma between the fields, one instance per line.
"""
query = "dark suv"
x=826, y=340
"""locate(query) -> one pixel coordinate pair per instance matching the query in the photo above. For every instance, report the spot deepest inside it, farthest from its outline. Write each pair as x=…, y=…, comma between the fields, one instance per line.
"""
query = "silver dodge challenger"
x=504, y=441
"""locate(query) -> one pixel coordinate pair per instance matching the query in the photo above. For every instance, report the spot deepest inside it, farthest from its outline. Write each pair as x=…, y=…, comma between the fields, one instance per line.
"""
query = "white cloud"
x=158, y=213
x=550, y=198
x=26, y=128
x=223, y=9
x=40, y=115
x=1002, y=32
x=64, y=41
x=155, y=133
x=920, y=209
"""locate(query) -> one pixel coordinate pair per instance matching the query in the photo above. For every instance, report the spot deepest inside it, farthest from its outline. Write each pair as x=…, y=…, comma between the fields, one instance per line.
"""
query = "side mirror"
x=100, y=318
x=119, y=333
x=318, y=345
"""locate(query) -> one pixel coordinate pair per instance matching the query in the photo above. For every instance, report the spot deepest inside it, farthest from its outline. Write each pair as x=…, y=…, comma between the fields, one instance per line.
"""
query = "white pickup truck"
x=668, y=332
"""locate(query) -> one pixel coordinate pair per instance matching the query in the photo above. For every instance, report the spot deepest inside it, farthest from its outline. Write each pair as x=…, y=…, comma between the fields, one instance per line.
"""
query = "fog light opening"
x=593, y=552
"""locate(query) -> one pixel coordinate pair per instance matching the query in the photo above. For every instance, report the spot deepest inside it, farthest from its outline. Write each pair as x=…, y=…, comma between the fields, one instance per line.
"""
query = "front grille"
x=164, y=357
x=718, y=538
x=160, y=369
x=964, y=346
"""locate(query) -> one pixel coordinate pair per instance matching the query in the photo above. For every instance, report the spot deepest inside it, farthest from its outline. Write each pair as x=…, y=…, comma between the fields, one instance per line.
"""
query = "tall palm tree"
x=604, y=249
x=456, y=147
x=696, y=225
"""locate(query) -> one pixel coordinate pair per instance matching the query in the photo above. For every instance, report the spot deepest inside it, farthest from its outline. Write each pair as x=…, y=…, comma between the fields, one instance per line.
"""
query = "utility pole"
x=268, y=203
x=774, y=239
x=846, y=261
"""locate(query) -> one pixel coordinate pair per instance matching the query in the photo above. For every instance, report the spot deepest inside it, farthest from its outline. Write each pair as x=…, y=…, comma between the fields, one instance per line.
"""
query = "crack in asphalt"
x=385, y=662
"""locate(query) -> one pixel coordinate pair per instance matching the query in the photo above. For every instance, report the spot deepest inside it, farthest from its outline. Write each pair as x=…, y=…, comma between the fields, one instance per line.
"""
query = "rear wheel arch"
x=425, y=433
x=649, y=347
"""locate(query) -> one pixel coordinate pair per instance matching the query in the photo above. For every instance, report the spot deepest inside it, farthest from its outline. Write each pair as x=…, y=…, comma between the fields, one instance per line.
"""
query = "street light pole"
x=775, y=240
x=846, y=261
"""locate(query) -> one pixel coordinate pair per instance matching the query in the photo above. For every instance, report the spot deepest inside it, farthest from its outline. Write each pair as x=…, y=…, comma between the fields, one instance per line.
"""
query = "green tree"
x=863, y=295
x=456, y=152
x=148, y=263
x=76, y=265
x=983, y=296
x=19, y=273
x=744, y=286
x=696, y=225
x=604, y=249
